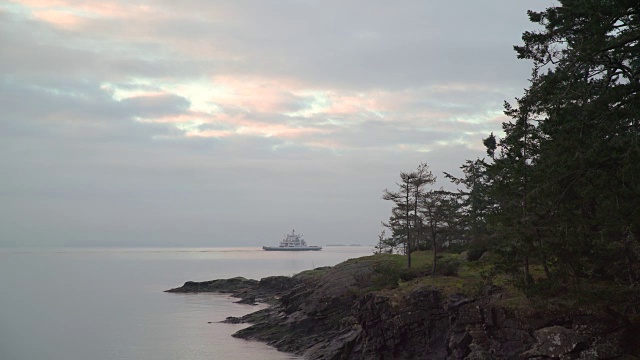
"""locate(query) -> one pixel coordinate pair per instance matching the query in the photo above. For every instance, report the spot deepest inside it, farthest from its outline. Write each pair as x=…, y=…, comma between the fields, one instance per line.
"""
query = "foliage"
x=475, y=252
x=566, y=173
x=557, y=200
x=405, y=222
x=447, y=267
x=385, y=245
x=474, y=204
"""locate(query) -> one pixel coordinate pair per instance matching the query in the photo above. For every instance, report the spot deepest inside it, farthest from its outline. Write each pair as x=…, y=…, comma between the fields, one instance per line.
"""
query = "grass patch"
x=311, y=274
x=456, y=275
x=447, y=267
x=453, y=273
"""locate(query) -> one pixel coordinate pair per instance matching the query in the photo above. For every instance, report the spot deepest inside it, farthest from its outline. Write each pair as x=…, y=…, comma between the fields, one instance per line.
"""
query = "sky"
x=229, y=123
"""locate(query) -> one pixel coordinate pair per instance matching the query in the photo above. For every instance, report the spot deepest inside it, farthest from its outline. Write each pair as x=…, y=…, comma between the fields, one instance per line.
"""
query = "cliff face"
x=335, y=314
x=426, y=325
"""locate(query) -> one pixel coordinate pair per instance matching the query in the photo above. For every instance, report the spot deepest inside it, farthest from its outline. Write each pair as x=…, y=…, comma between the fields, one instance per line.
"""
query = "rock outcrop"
x=338, y=313
x=267, y=290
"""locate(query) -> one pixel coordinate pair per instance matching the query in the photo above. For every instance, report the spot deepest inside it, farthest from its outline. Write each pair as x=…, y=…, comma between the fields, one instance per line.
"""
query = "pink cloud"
x=244, y=125
x=255, y=94
x=59, y=18
x=86, y=8
x=278, y=130
x=353, y=104
x=174, y=119
x=210, y=133
x=72, y=15
x=241, y=124
x=41, y=3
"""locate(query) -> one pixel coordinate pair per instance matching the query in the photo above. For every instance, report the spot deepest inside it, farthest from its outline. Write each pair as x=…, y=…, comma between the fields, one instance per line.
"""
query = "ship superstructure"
x=292, y=242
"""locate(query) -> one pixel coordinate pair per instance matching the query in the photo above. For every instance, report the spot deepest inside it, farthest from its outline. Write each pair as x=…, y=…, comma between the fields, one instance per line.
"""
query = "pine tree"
x=566, y=175
x=405, y=221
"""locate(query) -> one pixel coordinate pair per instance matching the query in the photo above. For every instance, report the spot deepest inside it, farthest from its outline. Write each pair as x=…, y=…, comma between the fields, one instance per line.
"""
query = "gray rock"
x=554, y=342
x=335, y=314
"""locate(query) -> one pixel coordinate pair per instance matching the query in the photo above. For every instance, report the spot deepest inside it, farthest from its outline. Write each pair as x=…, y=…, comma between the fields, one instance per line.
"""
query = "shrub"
x=456, y=248
x=475, y=253
x=387, y=275
x=447, y=267
x=409, y=274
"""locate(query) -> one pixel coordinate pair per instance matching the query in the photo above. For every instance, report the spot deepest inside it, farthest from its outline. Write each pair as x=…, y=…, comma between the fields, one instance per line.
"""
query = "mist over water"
x=104, y=304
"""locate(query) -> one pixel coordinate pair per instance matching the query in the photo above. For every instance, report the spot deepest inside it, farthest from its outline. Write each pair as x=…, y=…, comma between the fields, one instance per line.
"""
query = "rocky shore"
x=347, y=312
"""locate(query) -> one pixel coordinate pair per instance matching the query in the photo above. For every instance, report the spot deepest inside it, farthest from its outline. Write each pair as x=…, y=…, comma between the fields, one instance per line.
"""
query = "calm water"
x=107, y=304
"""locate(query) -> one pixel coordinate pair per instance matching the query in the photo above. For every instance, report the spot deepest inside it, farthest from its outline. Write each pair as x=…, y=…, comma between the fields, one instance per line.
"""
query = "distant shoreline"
x=347, y=245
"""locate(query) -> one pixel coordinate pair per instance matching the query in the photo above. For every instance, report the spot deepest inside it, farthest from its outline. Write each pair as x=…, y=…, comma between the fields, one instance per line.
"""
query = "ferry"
x=292, y=242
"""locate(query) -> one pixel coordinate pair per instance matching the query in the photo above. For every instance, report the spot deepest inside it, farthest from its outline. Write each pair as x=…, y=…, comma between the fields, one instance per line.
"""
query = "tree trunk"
x=627, y=240
x=433, y=269
x=408, y=220
x=526, y=271
x=547, y=273
x=632, y=274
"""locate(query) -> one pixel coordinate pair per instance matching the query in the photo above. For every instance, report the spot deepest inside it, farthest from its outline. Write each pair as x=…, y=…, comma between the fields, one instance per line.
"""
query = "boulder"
x=555, y=342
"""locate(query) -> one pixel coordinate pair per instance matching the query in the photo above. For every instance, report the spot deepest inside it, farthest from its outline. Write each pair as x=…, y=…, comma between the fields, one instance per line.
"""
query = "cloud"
x=229, y=120
x=149, y=106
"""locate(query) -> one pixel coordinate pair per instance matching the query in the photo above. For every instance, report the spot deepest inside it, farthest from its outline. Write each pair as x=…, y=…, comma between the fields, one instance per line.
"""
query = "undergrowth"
x=455, y=274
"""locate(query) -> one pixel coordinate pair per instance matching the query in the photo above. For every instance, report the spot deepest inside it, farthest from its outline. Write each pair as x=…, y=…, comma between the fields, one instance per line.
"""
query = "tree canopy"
x=571, y=150
x=561, y=186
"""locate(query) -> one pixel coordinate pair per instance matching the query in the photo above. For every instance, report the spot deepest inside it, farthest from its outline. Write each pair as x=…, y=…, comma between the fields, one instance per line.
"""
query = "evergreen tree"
x=437, y=210
x=473, y=203
x=405, y=222
x=566, y=175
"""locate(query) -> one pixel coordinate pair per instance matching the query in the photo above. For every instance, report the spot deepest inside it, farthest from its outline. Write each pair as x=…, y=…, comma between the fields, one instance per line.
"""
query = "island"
x=373, y=307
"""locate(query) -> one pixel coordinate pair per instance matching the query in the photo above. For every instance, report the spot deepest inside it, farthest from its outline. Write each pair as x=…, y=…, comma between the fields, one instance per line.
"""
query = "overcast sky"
x=221, y=123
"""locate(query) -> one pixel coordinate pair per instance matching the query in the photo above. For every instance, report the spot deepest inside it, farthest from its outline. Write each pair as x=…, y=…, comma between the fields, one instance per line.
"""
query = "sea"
x=109, y=303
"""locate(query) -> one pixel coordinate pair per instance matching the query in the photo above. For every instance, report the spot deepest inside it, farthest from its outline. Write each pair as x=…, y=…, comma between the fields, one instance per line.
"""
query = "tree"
x=566, y=175
x=385, y=245
x=589, y=97
x=405, y=220
x=437, y=210
x=400, y=220
x=422, y=176
x=475, y=205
